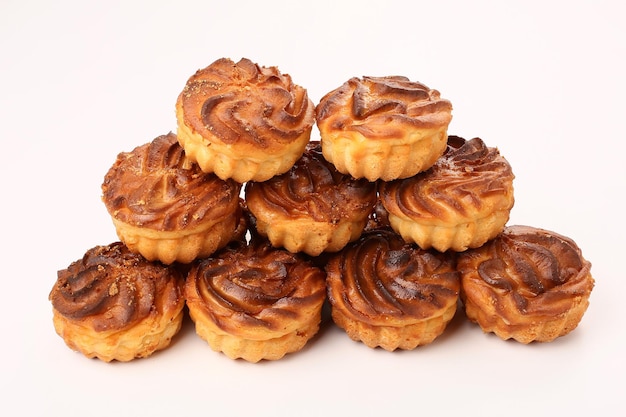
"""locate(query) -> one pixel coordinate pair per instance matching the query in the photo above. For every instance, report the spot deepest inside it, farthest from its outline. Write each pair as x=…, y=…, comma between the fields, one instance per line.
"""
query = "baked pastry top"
x=255, y=291
x=386, y=292
x=113, y=289
x=383, y=107
x=156, y=187
x=463, y=200
x=527, y=284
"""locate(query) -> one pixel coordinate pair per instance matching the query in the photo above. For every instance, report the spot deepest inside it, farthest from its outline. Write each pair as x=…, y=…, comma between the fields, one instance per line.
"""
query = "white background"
x=541, y=80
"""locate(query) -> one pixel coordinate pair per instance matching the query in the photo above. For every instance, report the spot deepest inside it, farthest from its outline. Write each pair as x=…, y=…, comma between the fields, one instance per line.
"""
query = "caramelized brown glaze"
x=381, y=107
x=255, y=288
x=157, y=187
x=469, y=179
x=111, y=288
x=526, y=275
x=244, y=102
x=314, y=189
x=383, y=281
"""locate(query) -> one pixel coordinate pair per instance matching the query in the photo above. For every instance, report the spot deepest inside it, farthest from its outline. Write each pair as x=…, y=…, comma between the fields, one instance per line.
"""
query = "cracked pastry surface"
x=461, y=202
x=113, y=304
x=527, y=284
x=388, y=293
x=312, y=208
x=255, y=302
x=165, y=207
x=383, y=127
x=243, y=121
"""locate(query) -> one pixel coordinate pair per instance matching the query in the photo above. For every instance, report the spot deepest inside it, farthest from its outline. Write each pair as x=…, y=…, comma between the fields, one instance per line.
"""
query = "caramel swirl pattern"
x=113, y=288
x=255, y=286
x=314, y=188
x=243, y=101
x=373, y=105
x=469, y=178
x=527, y=271
x=156, y=186
x=379, y=279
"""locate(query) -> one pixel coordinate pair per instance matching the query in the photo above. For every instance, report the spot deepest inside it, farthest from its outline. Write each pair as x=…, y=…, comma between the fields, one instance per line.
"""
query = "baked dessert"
x=165, y=207
x=389, y=293
x=383, y=127
x=527, y=284
x=243, y=121
x=312, y=208
x=114, y=304
x=255, y=302
x=461, y=202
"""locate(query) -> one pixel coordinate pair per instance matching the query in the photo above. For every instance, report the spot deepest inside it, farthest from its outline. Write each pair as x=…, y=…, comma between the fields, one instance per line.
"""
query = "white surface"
x=541, y=80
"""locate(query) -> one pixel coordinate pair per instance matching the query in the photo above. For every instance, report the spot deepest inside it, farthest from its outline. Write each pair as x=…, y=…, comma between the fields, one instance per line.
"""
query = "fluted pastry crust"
x=165, y=207
x=313, y=207
x=115, y=305
x=255, y=302
x=243, y=121
x=385, y=292
x=383, y=127
x=461, y=202
x=528, y=284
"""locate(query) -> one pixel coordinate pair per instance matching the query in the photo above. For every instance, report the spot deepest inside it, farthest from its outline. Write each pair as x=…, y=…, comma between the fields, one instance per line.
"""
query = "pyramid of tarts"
x=383, y=127
x=461, y=202
x=255, y=302
x=165, y=207
x=388, y=293
x=312, y=208
x=113, y=304
x=243, y=121
x=527, y=284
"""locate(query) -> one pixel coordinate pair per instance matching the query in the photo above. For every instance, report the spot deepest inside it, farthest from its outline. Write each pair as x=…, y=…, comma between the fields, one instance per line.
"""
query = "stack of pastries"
x=253, y=226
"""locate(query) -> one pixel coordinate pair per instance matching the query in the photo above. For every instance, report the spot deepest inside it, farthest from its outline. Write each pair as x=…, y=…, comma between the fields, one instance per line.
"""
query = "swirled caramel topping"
x=380, y=279
x=243, y=101
x=469, y=178
x=111, y=288
x=379, y=107
x=157, y=187
x=527, y=270
x=313, y=188
x=255, y=286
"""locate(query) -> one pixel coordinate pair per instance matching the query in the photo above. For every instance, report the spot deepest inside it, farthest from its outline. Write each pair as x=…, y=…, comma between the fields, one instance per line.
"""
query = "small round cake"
x=243, y=121
x=255, y=302
x=114, y=304
x=383, y=127
x=388, y=293
x=461, y=202
x=527, y=284
x=165, y=207
x=312, y=208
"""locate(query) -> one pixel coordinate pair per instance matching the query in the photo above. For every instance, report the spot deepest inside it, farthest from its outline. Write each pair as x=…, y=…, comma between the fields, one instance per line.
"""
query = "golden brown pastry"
x=165, y=208
x=527, y=284
x=312, y=208
x=115, y=305
x=243, y=121
x=254, y=301
x=461, y=202
x=383, y=127
x=388, y=293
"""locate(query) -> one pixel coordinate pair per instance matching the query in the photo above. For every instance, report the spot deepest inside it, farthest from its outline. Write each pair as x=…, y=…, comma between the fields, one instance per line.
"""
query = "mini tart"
x=243, y=121
x=388, y=293
x=383, y=127
x=115, y=305
x=528, y=284
x=461, y=202
x=255, y=302
x=312, y=208
x=165, y=208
